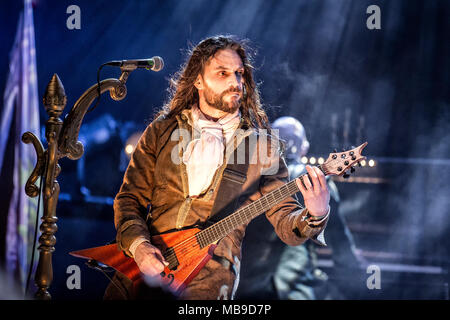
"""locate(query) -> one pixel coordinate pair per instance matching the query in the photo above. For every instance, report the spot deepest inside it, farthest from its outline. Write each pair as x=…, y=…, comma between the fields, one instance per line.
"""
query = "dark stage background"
x=316, y=61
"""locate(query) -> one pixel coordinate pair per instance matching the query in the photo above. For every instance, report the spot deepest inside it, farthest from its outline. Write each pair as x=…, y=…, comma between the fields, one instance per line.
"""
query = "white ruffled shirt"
x=204, y=155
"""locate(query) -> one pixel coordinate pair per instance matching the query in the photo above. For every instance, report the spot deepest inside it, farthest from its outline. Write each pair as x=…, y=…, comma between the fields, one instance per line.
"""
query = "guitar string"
x=212, y=237
x=191, y=242
x=200, y=237
x=196, y=236
x=247, y=208
x=239, y=211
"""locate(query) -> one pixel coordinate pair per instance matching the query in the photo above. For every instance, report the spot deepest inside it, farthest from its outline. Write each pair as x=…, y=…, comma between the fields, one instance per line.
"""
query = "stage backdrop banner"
x=21, y=105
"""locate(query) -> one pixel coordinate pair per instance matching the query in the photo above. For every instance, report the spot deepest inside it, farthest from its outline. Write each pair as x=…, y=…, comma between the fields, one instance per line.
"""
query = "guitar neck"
x=244, y=215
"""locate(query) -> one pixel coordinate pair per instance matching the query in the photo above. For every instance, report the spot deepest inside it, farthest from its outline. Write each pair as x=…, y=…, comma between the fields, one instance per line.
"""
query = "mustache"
x=232, y=90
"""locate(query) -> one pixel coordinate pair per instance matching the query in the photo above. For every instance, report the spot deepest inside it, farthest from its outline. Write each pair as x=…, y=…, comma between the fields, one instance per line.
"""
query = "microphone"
x=155, y=63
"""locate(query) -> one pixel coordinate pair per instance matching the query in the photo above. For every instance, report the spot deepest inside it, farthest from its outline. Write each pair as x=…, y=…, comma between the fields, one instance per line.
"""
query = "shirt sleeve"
x=312, y=227
x=135, y=244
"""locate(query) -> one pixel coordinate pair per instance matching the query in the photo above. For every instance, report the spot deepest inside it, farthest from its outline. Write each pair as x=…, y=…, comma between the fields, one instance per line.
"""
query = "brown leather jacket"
x=153, y=180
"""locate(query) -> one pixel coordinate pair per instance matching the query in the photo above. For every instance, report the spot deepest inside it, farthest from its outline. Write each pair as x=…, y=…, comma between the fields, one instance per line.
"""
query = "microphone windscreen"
x=158, y=64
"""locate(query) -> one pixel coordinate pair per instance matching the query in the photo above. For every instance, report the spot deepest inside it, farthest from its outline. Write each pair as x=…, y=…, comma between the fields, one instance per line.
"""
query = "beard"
x=217, y=100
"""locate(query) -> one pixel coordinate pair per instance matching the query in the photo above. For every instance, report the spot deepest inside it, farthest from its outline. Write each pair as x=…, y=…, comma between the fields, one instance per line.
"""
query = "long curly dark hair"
x=183, y=94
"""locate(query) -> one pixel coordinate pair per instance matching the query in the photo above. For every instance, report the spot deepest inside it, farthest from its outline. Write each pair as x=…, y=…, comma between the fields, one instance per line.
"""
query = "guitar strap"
x=228, y=197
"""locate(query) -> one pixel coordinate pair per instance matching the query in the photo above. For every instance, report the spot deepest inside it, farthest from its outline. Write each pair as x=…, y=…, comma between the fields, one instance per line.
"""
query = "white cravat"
x=204, y=155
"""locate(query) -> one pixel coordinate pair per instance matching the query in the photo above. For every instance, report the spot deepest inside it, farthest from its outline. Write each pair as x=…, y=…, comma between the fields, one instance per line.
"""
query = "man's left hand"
x=316, y=194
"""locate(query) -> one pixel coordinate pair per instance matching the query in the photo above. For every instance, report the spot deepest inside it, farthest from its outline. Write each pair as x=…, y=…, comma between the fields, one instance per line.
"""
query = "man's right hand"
x=149, y=259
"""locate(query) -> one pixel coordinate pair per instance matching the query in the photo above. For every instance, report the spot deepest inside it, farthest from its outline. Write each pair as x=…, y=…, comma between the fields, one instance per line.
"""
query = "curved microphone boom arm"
x=69, y=146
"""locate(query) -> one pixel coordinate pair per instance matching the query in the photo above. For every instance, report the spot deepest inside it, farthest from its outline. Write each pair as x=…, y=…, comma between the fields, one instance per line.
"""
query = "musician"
x=171, y=183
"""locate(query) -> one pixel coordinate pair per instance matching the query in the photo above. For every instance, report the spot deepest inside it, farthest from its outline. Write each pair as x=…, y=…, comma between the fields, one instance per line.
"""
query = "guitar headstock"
x=338, y=162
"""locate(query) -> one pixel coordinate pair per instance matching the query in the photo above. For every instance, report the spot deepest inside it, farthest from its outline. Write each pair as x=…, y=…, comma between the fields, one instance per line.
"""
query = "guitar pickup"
x=234, y=176
x=171, y=258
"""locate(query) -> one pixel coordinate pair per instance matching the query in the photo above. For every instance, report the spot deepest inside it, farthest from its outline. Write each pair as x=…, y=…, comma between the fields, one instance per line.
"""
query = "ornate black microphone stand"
x=62, y=139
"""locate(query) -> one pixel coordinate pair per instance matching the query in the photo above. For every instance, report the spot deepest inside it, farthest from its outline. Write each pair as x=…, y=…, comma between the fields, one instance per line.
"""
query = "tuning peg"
x=345, y=176
x=359, y=164
x=352, y=169
x=335, y=150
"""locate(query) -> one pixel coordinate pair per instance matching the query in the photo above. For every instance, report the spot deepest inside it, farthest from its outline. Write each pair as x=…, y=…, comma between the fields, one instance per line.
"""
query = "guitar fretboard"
x=244, y=215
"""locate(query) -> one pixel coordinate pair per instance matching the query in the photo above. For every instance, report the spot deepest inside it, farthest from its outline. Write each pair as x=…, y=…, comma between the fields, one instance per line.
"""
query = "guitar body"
x=180, y=248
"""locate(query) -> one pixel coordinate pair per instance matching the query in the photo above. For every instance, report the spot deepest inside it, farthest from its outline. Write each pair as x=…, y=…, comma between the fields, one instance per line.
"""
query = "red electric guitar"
x=187, y=251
